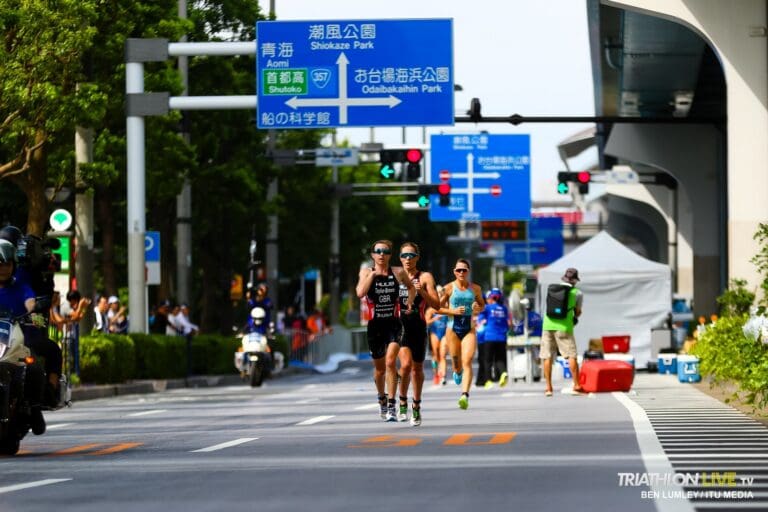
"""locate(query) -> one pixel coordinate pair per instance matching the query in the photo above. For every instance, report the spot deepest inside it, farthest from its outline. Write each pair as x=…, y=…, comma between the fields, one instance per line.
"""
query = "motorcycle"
x=22, y=382
x=255, y=359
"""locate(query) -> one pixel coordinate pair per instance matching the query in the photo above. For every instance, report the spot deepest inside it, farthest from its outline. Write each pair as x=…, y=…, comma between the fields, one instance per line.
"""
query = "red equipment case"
x=616, y=344
x=600, y=375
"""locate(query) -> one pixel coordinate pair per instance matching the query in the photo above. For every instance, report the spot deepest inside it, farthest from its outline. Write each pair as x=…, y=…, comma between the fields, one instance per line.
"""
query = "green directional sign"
x=284, y=81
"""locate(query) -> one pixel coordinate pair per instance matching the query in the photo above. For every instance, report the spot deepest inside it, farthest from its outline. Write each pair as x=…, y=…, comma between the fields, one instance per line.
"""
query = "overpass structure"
x=706, y=61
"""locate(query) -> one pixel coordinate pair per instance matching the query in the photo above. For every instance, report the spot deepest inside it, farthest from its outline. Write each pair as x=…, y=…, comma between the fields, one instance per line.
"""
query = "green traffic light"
x=423, y=201
x=387, y=171
x=562, y=188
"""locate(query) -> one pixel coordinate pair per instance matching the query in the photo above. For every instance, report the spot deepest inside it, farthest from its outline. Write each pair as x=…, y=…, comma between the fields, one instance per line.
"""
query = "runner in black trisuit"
x=378, y=286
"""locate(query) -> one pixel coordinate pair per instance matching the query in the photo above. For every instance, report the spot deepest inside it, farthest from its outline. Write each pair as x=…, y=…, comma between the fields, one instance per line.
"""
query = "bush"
x=213, y=355
x=107, y=358
x=727, y=355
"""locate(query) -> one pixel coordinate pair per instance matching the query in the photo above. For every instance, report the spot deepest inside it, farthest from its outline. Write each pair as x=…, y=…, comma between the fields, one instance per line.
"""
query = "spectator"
x=160, y=323
x=173, y=328
x=102, y=322
x=317, y=323
x=118, y=322
x=182, y=322
x=73, y=310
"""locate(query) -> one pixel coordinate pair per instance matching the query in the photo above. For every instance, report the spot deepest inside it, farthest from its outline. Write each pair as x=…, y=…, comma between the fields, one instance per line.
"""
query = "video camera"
x=35, y=255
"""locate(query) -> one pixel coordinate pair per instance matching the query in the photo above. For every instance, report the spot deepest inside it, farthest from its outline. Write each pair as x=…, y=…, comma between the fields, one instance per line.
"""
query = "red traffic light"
x=444, y=189
x=413, y=155
x=583, y=177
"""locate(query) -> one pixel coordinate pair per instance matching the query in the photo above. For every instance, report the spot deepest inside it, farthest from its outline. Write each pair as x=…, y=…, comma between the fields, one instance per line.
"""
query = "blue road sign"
x=152, y=246
x=490, y=176
x=544, y=244
x=320, y=74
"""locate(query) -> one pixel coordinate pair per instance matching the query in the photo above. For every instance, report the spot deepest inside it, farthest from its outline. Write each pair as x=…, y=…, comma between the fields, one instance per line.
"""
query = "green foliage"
x=125, y=357
x=106, y=358
x=761, y=262
x=727, y=355
x=213, y=355
x=736, y=300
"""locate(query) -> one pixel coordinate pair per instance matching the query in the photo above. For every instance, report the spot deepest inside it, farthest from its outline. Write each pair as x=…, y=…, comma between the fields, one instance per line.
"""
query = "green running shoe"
x=415, y=417
x=463, y=402
x=402, y=414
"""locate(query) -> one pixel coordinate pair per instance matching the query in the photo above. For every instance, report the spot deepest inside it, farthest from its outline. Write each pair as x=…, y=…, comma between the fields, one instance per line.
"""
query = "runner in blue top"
x=462, y=299
x=436, y=326
x=493, y=353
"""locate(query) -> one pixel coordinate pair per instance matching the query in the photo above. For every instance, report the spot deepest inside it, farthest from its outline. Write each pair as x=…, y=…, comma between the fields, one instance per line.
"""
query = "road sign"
x=327, y=157
x=504, y=230
x=60, y=220
x=152, y=256
x=544, y=244
x=490, y=176
x=321, y=74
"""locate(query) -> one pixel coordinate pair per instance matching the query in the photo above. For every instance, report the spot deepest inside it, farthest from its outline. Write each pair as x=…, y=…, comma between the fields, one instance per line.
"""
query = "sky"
x=529, y=57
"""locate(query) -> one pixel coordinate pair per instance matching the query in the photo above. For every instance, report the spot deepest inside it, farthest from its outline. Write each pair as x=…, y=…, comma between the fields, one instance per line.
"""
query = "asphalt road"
x=316, y=442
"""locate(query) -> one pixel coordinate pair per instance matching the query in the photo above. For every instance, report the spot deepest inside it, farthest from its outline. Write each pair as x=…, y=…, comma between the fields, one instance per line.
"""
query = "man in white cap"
x=118, y=323
x=563, y=308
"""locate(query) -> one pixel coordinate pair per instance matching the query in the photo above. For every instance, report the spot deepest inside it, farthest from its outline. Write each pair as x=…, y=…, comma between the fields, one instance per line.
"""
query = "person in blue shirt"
x=259, y=299
x=493, y=351
x=16, y=300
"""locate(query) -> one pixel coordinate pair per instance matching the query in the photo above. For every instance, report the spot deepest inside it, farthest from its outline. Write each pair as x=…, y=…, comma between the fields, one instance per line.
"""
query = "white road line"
x=654, y=458
x=225, y=445
x=59, y=425
x=147, y=413
x=366, y=407
x=28, y=485
x=308, y=401
x=316, y=419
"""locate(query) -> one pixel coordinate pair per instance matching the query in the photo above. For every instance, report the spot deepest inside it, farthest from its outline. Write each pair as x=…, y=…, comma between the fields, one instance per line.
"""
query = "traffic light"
x=423, y=194
x=413, y=156
x=444, y=189
x=409, y=158
x=582, y=178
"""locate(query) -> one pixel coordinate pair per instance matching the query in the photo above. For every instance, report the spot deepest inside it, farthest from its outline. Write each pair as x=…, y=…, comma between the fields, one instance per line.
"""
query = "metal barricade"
x=304, y=347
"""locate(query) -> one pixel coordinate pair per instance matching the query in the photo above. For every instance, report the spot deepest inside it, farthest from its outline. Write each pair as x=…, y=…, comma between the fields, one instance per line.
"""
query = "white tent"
x=624, y=293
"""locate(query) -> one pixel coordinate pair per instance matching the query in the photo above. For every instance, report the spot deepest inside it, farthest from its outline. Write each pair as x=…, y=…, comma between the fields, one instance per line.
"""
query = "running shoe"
x=402, y=415
x=383, y=408
x=391, y=413
x=457, y=377
x=488, y=384
x=436, y=378
x=434, y=365
x=415, y=417
x=463, y=402
x=503, y=379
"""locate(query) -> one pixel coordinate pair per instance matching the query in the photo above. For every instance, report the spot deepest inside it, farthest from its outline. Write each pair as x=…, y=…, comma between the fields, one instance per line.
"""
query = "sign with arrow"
x=490, y=176
x=321, y=74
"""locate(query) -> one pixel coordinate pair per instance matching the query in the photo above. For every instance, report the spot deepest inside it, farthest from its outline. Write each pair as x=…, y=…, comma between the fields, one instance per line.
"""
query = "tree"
x=39, y=101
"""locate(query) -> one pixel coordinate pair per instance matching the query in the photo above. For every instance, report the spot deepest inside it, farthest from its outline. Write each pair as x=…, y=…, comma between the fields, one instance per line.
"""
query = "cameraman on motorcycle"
x=16, y=299
x=36, y=338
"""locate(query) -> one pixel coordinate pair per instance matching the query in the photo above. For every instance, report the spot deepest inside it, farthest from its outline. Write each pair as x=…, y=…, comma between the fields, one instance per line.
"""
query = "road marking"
x=76, y=449
x=59, y=425
x=147, y=413
x=28, y=485
x=654, y=458
x=228, y=444
x=366, y=407
x=316, y=419
x=116, y=448
x=308, y=401
x=464, y=439
x=386, y=442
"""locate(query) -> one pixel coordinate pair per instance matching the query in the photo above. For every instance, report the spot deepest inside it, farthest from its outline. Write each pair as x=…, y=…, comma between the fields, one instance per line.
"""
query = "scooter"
x=22, y=380
x=254, y=358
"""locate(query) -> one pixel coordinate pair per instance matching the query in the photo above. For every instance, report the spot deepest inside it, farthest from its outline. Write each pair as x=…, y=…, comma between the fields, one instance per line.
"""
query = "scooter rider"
x=16, y=299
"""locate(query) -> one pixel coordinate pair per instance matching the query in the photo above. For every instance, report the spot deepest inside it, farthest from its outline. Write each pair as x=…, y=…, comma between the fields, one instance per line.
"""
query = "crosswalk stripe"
x=147, y=413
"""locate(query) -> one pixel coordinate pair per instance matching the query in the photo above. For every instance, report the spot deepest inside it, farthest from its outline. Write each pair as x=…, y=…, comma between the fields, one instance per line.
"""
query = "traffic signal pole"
x=333, y=268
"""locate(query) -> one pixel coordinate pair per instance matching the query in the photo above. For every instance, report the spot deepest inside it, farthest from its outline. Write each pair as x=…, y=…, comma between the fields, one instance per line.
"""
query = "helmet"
x=10, y=233
x=7, y=251
x=258, y=314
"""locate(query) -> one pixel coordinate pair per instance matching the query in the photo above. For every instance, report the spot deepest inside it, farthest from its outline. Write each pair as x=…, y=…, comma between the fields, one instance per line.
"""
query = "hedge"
x=115, y=358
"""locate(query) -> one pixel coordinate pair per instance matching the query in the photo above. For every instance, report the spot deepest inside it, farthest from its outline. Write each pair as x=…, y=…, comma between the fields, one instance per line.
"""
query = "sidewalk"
x=93, y=391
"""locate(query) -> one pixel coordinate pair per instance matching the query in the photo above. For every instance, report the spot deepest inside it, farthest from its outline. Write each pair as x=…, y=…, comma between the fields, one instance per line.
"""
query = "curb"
x=94, y=391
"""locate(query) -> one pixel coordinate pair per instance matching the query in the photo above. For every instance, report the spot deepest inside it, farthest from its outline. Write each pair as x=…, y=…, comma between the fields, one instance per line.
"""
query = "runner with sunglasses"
x=413, y=346
x=379, y=287
x=462, y=299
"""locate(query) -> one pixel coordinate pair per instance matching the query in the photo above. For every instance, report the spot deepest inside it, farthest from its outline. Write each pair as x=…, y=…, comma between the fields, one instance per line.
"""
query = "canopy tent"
x=624, y=293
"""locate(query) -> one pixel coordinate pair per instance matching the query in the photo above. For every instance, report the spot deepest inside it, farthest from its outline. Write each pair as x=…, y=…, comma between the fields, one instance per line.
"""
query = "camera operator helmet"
x=10, y=233
x=7, y=252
